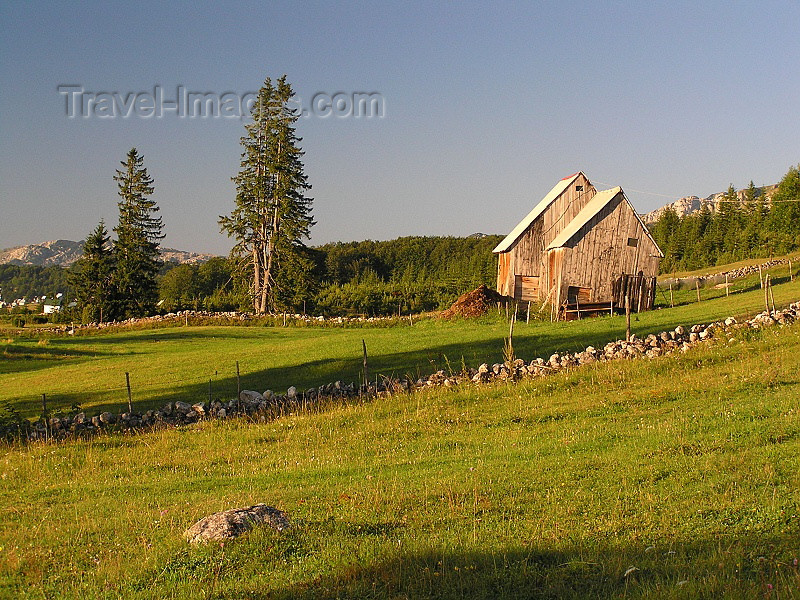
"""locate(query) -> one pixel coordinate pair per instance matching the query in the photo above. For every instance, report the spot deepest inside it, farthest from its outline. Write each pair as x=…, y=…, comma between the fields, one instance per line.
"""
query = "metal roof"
x=594, y=206
x=557, y=190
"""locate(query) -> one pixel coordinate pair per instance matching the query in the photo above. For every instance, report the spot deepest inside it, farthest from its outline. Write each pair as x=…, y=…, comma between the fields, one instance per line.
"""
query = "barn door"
x=579, y=295
x=526, y=288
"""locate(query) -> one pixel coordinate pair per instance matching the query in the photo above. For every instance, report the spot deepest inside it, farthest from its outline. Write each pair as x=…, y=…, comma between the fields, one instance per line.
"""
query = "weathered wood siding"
x=600, y=252
x=505, y=276
x=527, y=256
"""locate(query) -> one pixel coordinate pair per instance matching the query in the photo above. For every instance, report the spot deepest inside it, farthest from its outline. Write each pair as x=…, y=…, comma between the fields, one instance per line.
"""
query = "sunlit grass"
x=681, y=472
x=177, y=363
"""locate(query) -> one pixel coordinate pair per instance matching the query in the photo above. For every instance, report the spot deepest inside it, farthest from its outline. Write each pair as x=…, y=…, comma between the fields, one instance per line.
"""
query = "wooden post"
x=528, y=317
x=578, y=307
x=771, y=295
x=627, y=318
x=186, y=317
x=45, y=418
x=671, y=298
x=128, y=385
x=284, y=318
x=366, y=368
x=238, y=386
x=697, y=287
x=611, y=309
x=766, y=294
x=727, y=291
x=640, y=291
x=760, y=278
x=791, y=275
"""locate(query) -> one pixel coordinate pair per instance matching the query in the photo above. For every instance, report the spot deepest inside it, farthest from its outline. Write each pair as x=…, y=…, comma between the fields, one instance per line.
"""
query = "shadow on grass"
x=540, y=340
x=22, y=358
x=726, y=567
x=414, y=363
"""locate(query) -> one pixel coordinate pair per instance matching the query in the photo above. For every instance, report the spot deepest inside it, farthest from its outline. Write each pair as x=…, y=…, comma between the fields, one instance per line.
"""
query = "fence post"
x=791, y=275
x=697, y=287
x=671, y=300
x=772, y=295
x=727, y=292
x=366, y=370
x=765, y=285
x=627, y=317
x=128, y=385
x=238, y=387
x=44, y=417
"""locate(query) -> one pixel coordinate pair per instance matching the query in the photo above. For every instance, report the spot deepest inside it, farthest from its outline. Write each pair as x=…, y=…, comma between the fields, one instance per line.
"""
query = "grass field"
x=177, y=363
x=672, y=478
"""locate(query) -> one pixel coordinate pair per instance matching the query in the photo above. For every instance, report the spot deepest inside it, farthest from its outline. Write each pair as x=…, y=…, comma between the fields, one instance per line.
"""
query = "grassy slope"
x=685, y=468
x=730, y=267
x=177, y=363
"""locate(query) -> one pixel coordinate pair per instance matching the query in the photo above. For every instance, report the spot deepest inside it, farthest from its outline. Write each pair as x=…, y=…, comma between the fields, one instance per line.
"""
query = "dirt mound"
x=474, y=303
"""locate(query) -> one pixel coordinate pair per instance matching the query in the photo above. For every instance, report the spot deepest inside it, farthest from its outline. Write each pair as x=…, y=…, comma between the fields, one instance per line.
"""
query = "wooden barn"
x=580, y=250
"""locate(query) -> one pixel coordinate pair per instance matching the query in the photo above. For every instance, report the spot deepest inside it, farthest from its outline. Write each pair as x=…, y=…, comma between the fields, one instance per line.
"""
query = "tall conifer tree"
x=92, y=277
x=136, y=249
x=272, y=215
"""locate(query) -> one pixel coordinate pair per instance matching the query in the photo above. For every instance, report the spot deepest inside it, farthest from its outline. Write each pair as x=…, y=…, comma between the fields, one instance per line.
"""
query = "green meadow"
x=677, y=477
x=177, y=363
x=671, y=478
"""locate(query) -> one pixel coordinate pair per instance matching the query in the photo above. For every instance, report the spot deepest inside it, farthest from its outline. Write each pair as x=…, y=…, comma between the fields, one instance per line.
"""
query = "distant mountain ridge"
x=63, y=253
x=689, y=204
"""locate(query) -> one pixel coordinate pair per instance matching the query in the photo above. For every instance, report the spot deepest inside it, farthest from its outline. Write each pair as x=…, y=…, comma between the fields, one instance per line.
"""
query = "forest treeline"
x=408, y=274
x=414, y=274
x=752, y=228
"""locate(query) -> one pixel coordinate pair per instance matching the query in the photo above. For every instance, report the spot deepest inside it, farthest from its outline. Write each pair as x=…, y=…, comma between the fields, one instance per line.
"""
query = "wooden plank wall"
x=599, y=253
x=527, y=256
x=504, y=281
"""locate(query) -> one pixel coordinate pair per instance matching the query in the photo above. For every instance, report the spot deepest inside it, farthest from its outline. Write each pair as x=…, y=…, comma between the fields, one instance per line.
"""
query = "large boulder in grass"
x=230, y=524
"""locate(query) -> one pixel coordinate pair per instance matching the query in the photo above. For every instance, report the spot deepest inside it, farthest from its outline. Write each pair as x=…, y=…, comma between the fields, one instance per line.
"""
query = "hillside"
x=65, y=252
x=667, y=478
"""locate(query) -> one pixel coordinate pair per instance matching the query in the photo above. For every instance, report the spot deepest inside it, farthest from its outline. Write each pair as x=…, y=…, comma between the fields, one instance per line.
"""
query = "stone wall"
x=268, y=405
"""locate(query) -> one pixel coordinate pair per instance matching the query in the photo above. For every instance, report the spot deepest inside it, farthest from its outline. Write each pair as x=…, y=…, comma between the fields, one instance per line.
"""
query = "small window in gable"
x=633, y=242
x=578, y=188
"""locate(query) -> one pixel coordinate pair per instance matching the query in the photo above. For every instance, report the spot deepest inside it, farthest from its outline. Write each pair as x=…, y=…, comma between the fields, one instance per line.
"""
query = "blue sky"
x=486, y=108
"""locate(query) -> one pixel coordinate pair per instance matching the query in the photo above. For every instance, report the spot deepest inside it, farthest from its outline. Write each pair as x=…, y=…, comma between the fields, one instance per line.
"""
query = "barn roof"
x=515, y=234
x=594, y=206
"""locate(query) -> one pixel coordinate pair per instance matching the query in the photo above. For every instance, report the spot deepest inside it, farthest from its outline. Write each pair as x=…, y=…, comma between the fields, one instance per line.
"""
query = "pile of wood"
x=474, y=304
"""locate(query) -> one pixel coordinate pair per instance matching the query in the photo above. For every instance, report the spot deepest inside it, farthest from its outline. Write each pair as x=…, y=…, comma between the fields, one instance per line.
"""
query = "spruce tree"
x=92, y=277
x=272, y=215
x=136, y=249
